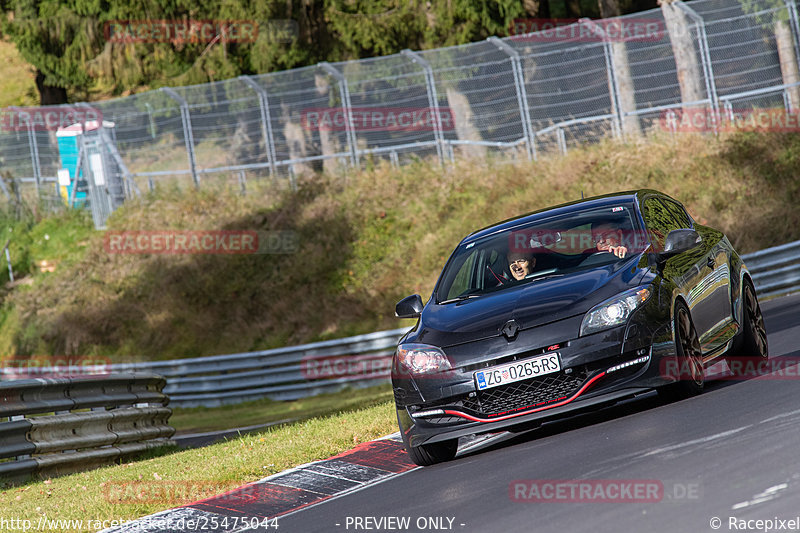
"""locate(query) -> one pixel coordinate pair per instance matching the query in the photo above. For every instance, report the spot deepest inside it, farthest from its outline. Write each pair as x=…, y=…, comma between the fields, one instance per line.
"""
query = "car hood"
x=533, y=304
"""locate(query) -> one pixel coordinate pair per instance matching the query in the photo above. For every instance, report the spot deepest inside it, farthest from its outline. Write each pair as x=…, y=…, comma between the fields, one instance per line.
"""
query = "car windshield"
x=551, y=246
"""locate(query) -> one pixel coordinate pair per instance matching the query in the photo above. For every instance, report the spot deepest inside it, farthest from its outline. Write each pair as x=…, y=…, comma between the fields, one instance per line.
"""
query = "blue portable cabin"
x=69, y=145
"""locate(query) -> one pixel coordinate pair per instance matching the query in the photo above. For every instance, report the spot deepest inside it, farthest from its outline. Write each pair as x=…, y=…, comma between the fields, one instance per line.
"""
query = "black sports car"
x=568, y=308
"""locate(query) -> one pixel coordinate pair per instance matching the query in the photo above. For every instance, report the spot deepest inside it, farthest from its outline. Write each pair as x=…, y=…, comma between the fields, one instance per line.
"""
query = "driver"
x=608, y=238
x=521, y=264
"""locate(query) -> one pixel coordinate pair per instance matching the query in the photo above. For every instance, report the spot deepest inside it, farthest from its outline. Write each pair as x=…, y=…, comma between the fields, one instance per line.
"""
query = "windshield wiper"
x=460, y=298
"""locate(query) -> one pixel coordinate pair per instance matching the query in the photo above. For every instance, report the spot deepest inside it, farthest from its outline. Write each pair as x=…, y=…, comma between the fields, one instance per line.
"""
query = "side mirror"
x=409, y=307
x=680, y=240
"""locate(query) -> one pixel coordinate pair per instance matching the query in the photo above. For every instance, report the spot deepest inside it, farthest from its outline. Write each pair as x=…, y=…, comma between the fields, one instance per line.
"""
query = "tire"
x=754, y=335
x=430, y=454
x=691, y=379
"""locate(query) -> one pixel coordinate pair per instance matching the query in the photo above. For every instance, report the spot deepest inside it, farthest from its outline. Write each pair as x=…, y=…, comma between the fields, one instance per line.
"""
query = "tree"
x=625, y=88
x=66, y=41
x=777, y=21
x=54, y=38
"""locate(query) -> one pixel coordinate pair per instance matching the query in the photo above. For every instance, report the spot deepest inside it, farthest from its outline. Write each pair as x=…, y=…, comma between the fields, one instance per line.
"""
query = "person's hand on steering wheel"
x=619, y=251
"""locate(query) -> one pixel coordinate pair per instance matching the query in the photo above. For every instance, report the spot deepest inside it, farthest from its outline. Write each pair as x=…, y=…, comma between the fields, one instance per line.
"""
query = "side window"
x=660, y=221
x=678, y=214
x=463, y=280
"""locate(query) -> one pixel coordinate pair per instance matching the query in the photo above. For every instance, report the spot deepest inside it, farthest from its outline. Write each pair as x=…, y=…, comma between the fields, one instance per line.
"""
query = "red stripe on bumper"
x=528, y=411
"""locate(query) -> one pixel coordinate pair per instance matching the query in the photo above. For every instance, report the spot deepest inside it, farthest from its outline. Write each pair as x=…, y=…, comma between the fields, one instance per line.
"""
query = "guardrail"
x=279, y=374
x=775, y=270
x=95, y=420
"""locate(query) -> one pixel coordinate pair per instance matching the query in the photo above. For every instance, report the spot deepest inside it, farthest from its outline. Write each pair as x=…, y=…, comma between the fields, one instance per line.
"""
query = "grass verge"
x=200, y=419
x=132, y=490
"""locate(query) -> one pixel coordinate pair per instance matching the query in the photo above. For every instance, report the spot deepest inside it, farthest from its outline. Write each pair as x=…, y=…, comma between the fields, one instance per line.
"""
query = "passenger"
x=608, y=238
x=521, y=264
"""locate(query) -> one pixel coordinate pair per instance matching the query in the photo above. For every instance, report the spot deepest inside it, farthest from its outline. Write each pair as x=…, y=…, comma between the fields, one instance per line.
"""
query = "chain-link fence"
x=520, y=96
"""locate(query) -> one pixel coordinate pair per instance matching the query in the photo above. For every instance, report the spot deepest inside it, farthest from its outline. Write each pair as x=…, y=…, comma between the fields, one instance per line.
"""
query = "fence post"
x=522, y=96
x=787, y=45
x=150, y=119
x=728, y=110
x=611, y=69
x=344, y=91
x=188, y=137
x=266, y=120
x=242, y=183
x=562, y=141
x=33, y=148
x=791, y=7
x=433, y=100
x=672, y=120
x=705, y=57
x=37, y=169
x=8, y=261
x=4, y=188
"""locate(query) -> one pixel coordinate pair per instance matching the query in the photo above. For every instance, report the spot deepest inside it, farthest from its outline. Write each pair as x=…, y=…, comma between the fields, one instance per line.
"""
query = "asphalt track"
x=728, y=458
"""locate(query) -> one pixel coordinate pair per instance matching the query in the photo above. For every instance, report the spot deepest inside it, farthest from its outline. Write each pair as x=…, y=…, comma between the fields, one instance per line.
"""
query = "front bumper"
x=596, y=369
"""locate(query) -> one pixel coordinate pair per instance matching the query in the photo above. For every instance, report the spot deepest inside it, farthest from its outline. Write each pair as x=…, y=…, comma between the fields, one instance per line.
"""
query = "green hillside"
x=362, y=246
x=17, y=79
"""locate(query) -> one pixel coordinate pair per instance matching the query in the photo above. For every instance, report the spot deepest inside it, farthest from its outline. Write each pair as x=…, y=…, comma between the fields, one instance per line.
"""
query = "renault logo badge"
x=510, y=329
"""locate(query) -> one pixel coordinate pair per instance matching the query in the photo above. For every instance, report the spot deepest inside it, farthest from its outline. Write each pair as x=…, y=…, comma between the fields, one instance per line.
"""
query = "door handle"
x=711, y=263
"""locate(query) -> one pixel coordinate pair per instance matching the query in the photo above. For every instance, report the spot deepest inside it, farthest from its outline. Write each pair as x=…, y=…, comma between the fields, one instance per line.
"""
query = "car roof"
x=595, y=201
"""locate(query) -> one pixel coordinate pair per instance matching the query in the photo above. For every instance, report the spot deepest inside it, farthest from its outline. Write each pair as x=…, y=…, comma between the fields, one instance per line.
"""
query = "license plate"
x=517, y=371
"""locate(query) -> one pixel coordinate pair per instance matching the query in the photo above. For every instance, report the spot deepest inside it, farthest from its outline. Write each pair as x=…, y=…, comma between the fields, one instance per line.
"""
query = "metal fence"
x=523, y=95
x=95, y=420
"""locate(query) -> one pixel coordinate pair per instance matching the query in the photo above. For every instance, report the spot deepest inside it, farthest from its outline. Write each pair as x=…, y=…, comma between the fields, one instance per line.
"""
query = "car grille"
x=526, y=393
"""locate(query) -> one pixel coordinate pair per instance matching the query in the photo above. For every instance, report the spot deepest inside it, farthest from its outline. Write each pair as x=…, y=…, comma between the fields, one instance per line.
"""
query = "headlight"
x=613, y=312
x=422, y=358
